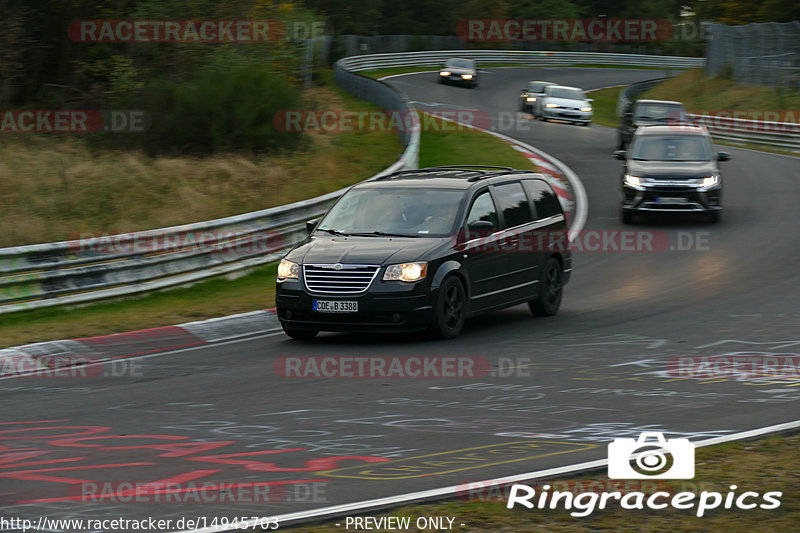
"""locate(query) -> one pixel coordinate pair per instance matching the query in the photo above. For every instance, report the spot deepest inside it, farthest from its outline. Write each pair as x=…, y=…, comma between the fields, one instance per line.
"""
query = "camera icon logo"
x=651, y=457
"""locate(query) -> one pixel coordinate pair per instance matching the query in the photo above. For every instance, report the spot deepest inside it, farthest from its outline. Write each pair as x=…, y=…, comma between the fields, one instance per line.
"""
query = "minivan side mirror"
x=480, y=228
x=620, y=154
x=723, y=156
x=311, y=224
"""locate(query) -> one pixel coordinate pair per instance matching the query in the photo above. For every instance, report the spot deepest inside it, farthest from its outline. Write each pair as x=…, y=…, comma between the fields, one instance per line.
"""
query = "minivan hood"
x=324, y=249
x=675, y=169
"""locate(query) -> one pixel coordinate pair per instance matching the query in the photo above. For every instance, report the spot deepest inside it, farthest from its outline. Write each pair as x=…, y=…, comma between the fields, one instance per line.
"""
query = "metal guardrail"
x=785, y=135
x=522, y=57
x=95, y=268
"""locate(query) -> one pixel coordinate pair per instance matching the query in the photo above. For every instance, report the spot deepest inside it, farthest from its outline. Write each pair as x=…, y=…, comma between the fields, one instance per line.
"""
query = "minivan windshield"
x=410, y=212
x=671, y=148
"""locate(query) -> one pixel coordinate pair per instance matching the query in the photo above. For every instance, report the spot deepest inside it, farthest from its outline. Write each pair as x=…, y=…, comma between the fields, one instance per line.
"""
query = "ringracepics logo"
x=650, y=456
x=640, y=459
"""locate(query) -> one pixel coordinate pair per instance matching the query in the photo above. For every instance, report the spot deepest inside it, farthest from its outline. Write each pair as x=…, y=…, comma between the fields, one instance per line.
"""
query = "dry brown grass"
x=700, y=94
x=52, y=188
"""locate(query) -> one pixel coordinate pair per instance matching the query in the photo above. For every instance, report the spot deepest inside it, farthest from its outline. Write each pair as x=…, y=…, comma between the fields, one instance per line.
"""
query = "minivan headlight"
x=406, y=272
x=288, y=270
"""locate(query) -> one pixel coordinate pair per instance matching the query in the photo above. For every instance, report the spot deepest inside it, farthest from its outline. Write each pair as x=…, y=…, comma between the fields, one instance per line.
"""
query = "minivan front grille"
x=338, y=278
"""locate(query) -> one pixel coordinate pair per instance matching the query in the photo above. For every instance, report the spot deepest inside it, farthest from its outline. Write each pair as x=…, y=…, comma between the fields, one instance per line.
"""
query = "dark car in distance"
x=426, y=249
x=648, y=113
x=671, y=169
x=460, y=71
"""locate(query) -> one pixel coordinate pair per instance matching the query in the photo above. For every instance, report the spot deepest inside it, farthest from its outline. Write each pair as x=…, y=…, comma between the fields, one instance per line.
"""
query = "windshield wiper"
x=334, y=231
x=382, y=234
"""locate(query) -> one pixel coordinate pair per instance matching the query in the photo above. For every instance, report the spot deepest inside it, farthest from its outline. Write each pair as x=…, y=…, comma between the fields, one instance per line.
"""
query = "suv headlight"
x=406, y=272
x=288, y=270
x=633, y=180
x=710, y=181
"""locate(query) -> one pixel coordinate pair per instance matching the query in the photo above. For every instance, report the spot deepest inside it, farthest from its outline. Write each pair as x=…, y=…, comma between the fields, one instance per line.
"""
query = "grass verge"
x=765, y=465
x=447, y=143
x=207, y=299
x=605, y=106
x=443, y=143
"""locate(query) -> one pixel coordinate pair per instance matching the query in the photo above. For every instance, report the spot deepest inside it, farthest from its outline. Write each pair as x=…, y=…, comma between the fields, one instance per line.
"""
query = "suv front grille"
x=347, y=280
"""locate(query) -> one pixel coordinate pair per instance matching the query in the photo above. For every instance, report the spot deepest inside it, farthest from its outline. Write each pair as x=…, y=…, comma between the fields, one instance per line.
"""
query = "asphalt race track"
x=559, y=389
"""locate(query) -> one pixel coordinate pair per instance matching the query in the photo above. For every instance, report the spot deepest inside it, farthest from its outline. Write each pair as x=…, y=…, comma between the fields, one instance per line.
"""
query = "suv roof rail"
x=489, y=171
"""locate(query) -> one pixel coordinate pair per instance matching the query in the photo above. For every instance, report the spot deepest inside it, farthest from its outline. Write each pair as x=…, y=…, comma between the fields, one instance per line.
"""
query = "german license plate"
x=336, y=306
x=670, y=200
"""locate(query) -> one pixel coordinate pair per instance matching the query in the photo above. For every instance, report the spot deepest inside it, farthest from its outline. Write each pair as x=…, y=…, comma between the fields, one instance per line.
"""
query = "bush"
x=220, y=109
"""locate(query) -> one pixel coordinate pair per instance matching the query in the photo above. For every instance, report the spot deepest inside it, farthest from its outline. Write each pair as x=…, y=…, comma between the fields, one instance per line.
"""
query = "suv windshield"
x=672, y=148
x=569, y=94
x=460, y=63
x=412, y=212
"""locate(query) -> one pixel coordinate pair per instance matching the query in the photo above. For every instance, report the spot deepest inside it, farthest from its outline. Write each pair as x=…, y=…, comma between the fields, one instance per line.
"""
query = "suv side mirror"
x=620, y=154
x=311, y=224
x=480, y=228
x=723, y=156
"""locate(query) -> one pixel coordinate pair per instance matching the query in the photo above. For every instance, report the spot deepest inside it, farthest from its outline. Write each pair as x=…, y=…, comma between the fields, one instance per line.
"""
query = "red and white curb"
x=43, y=358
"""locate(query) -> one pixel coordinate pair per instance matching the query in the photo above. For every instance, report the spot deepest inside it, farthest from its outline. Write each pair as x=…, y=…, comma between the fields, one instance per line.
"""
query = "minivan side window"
x=483, y=209
x=513, y=203
x=544, y=199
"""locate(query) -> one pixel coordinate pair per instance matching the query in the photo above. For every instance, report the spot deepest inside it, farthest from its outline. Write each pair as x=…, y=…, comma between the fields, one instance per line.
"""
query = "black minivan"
x=426, y=249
